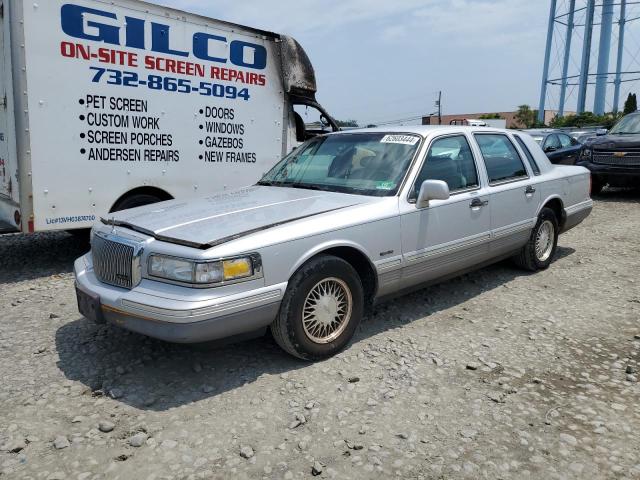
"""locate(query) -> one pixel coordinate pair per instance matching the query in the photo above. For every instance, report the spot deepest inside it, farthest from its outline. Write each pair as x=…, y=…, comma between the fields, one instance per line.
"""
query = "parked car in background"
x=582, y=134
x=345, y=219
x=614, y=159
x=559, y=147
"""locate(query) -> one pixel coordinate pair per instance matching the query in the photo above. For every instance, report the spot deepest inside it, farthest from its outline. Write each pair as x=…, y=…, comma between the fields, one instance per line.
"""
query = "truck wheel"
x=137, y=200
x=321, y=309
x=539, y=251
x=596, y=186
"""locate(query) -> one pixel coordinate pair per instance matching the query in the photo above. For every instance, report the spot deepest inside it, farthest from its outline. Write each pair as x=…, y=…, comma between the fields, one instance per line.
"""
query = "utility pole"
x=439, y=105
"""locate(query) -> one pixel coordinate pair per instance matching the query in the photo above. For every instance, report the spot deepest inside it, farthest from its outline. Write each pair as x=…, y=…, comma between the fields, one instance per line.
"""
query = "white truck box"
x=111, y=104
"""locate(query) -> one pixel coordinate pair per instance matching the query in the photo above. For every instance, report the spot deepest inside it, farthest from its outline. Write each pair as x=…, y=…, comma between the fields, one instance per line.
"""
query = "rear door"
x=8, y=167
x=514, y=197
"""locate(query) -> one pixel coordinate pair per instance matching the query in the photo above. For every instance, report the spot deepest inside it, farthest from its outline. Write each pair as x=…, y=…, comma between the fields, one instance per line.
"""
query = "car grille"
x=113, y=262
x=631, y=159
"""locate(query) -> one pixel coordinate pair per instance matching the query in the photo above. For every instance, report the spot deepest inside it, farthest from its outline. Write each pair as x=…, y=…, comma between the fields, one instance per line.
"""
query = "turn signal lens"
x=238, y=268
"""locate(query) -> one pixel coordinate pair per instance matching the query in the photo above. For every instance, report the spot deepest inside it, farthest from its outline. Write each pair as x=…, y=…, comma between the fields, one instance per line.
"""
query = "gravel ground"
x=497, y=374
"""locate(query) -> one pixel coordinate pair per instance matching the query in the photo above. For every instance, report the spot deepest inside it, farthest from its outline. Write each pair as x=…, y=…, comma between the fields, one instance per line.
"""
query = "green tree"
x=631, y=105
x=347, y=123
x=526, y=117
x=490, y=116
x=586, y=119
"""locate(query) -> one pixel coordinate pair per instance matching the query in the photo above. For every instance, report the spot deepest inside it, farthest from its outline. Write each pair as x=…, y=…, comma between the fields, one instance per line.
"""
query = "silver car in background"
x=344, y=220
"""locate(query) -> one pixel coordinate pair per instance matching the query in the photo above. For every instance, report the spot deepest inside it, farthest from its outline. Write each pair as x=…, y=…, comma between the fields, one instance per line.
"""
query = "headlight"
x=587, y=153
x=205, y=273
x=171, y=268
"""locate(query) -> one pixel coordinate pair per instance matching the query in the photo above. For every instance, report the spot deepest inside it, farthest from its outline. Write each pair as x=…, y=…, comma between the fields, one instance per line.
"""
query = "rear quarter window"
x=528, y=154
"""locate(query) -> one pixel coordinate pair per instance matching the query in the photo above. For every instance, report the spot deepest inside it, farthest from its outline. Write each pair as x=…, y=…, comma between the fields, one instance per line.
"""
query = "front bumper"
x=613, y=175
x=180, y=314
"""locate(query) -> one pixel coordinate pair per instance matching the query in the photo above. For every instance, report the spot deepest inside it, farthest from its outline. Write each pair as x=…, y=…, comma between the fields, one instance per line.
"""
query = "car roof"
x=425, y=130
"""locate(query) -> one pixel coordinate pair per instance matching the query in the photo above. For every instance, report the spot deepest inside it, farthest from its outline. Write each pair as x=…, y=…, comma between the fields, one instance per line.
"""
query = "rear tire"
x=541, y=248
x=137, y=200
x=321, y=309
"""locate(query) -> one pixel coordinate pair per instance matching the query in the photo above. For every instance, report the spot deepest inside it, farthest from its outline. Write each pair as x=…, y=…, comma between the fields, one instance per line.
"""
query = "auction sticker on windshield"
x=401, y=139
x=385, y=186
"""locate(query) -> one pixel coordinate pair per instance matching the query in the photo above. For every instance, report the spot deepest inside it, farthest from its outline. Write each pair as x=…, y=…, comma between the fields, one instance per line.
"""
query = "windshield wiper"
x=265, y=183
x=307, y=186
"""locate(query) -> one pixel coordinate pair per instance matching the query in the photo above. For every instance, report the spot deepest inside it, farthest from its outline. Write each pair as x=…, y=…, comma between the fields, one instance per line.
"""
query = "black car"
x=614, y=159
x=559, y=147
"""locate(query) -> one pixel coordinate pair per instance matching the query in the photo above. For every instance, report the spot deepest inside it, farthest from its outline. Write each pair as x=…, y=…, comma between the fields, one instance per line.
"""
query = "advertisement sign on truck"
x=125, y=103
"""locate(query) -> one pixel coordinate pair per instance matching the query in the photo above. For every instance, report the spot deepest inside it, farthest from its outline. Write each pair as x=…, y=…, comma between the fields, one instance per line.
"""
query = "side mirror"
x=432, y=190
x=550, y=149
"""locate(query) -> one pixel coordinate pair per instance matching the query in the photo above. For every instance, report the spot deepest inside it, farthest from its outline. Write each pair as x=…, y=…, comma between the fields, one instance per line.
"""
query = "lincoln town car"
x=343, y=221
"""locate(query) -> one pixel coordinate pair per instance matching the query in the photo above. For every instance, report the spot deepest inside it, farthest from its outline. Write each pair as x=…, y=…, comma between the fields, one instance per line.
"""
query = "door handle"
x=477, y=203
x=530, y=190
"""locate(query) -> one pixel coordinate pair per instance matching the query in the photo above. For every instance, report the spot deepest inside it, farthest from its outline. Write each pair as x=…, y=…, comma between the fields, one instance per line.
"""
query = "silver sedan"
x=342, y=222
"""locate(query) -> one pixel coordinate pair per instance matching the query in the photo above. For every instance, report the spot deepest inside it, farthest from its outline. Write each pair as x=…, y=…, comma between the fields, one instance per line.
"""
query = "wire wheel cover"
x=327, y=310
x=544, y=241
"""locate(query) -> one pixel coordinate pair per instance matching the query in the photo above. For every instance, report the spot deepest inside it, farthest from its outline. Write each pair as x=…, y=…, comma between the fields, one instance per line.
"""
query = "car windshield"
x=629, y=125
x=371, y=164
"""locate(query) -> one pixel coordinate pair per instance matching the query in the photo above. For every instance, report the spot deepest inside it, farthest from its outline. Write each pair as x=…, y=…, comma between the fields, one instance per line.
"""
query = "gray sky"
x=384, y=60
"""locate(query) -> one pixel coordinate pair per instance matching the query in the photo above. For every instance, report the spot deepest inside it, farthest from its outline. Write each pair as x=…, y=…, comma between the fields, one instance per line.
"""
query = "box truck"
x=109, y=105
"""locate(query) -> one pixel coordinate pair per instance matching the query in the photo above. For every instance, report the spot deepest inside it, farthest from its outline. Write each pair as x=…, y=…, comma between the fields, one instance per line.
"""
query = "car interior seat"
x=343, y=163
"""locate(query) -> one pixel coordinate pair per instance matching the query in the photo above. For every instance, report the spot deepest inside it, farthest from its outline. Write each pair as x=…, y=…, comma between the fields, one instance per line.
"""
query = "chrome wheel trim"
x=545, y=237
x=327, y=310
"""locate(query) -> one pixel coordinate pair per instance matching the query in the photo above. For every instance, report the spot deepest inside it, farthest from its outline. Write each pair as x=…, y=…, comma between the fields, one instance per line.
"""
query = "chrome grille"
x=113, y=262
x=631, y=159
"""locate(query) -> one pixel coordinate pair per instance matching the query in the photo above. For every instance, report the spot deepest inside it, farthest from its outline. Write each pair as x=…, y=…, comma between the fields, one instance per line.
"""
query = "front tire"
x=541, y=248
x=321, y=309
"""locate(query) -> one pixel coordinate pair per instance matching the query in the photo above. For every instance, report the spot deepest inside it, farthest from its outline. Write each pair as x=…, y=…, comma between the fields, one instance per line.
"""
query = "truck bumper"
x=614, y=176
x=181, y=319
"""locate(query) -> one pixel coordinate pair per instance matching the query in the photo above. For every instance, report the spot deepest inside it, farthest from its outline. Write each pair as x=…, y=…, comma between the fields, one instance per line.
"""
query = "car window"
x=553, y=141
x=565, y=140
x=528, y=154
x=500, y=157
x=449, y=159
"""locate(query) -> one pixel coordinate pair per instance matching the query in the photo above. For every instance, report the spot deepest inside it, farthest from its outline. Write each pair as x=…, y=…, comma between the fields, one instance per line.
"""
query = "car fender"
x=328, y=245
x=548, y=199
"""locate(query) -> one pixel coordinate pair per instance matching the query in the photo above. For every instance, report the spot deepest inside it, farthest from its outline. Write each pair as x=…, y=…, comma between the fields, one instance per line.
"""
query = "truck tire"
x=137, y=200
x=540, y=250
x=321, y=309
x=597, y=186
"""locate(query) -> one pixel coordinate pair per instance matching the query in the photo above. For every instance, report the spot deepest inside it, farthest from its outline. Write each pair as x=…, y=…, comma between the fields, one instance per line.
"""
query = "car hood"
x=217, y=219
x=612, y=142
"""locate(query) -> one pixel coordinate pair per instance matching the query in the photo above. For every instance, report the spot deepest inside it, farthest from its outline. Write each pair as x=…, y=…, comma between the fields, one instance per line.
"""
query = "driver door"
x=448, y=235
